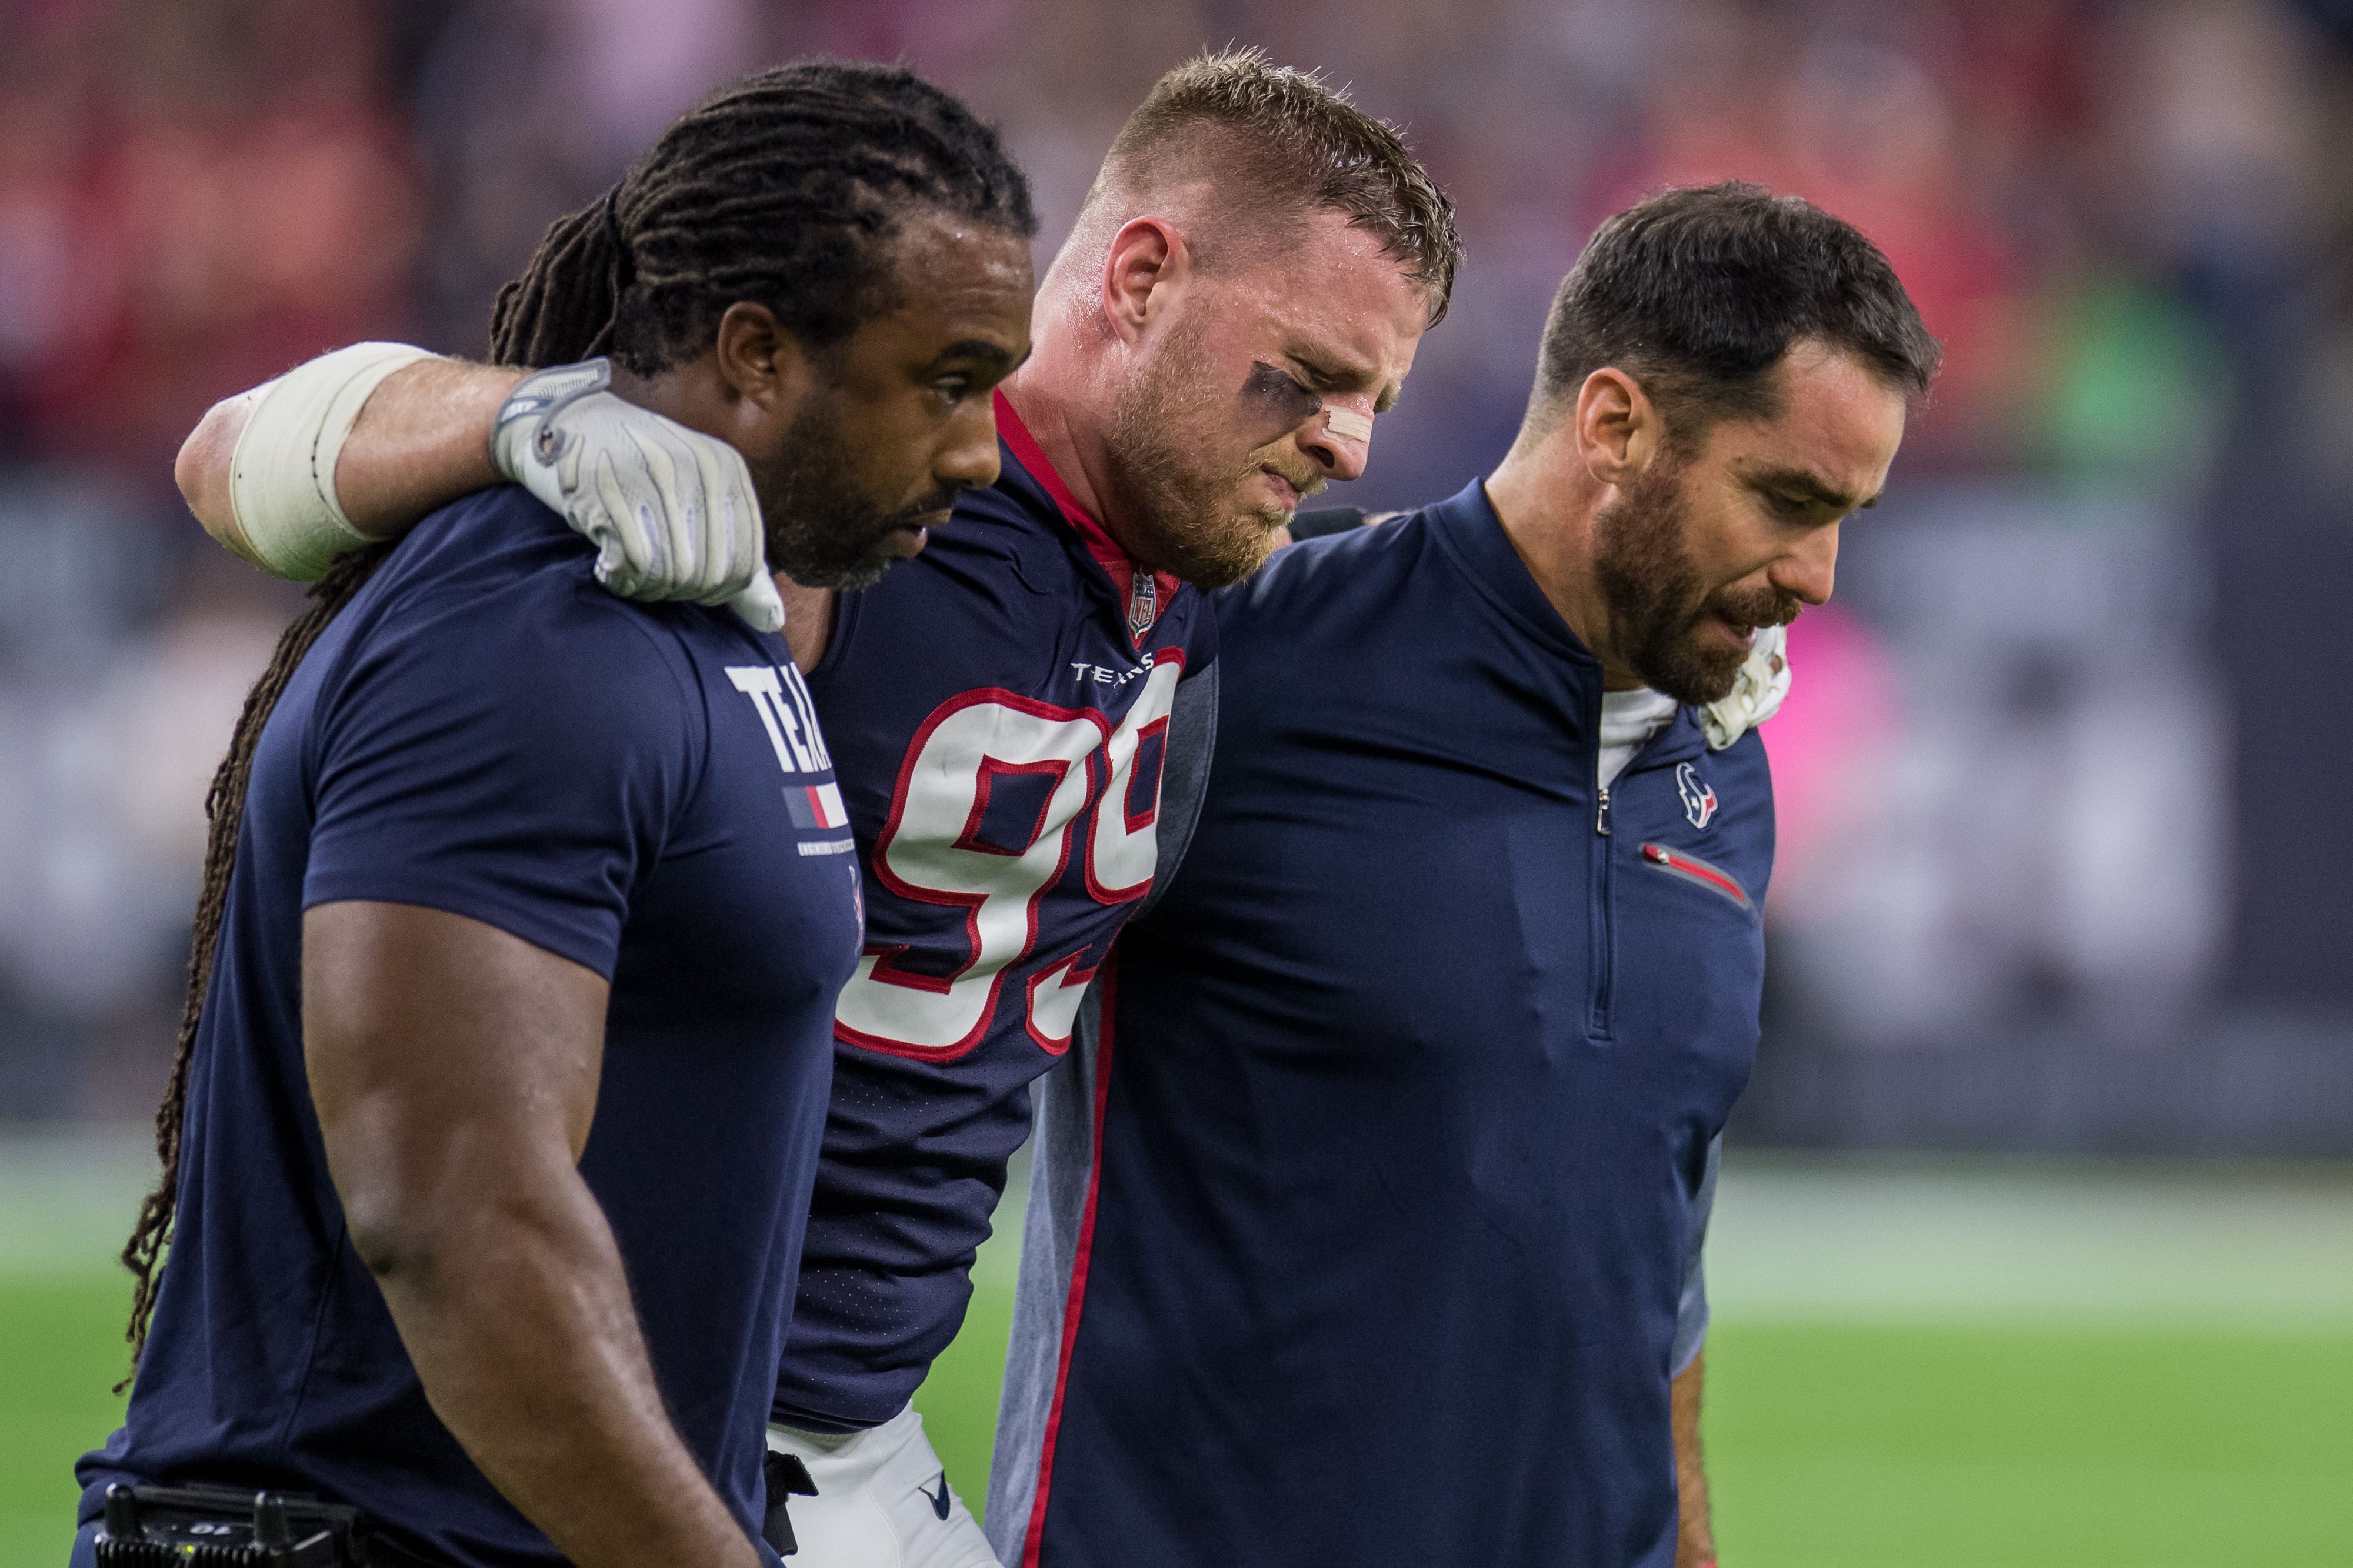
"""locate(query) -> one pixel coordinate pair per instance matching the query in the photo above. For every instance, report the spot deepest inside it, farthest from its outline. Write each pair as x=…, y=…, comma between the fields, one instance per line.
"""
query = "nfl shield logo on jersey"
x=1143, y=605
x=1699, y=800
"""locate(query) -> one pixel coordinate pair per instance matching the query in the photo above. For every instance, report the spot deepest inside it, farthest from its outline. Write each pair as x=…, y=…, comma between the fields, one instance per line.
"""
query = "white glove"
x=670, y=510
x=1757, y=691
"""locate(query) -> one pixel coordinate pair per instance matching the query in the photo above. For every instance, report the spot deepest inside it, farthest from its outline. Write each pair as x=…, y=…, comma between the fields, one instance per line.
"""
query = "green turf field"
x=1997, y=1366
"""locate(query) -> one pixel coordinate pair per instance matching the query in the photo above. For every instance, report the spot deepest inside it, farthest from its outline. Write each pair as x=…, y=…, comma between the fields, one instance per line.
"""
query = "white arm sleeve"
x=282, y=476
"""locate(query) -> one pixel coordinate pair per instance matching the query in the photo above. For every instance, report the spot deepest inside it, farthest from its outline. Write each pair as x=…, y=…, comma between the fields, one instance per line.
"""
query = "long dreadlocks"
x=782, y=189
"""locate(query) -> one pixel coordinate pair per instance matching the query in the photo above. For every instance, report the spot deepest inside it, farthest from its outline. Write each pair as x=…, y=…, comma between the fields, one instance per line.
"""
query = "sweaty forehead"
x=964, y=262
x=956, y=278
x=1331, y=296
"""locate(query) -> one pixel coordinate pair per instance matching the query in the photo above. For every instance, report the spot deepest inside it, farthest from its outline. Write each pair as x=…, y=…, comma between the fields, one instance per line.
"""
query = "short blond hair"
x=1285, y=138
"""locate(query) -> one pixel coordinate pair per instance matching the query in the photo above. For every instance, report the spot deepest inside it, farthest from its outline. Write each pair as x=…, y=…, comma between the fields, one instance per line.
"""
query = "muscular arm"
x=455, y=1071
x=1695, y=1547
x=422, y=441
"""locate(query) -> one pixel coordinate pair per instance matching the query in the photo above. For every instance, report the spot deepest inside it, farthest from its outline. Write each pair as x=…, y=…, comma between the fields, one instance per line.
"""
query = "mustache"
x=1309, y=483
x=1281, y=459
x=1763, y=607
x=938, y=501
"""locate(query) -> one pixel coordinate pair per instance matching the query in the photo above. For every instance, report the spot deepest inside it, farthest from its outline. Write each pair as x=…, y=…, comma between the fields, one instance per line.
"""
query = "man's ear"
x=760, y=362
x=1618, y=428
x=1147, y=255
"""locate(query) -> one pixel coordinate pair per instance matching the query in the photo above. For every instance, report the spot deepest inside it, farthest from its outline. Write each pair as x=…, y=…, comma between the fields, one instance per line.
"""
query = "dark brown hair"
x=1697, y=294
x=223, y=813
x=780, y=189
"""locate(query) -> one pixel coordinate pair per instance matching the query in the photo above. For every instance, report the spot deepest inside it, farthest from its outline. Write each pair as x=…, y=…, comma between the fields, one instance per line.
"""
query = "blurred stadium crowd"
x=2060, y=859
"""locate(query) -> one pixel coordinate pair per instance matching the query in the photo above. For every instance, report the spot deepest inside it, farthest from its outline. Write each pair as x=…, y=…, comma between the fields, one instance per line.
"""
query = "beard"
x=822, y=531
x=1659, y=610
x=1180, y=505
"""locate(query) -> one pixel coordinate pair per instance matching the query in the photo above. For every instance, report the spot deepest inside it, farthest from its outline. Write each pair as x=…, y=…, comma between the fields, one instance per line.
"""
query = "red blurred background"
x=2061, y=865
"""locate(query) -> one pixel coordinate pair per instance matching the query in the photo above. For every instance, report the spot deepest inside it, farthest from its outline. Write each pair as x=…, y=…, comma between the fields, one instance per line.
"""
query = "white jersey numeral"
x=930, y=851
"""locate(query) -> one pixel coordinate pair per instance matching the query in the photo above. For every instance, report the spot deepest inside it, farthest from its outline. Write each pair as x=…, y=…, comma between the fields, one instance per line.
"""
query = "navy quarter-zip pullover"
x=1402, y=1096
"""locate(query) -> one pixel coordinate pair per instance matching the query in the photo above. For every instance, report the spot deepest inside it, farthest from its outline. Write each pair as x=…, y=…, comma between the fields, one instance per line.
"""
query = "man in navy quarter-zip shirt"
x=1362, y=1219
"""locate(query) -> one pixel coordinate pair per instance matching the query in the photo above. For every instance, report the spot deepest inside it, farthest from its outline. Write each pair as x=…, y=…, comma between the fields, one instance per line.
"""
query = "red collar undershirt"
x=1116, y=562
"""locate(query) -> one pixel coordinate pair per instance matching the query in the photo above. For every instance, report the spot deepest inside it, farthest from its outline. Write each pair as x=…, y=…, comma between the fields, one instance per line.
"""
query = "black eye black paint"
x=1274, y=404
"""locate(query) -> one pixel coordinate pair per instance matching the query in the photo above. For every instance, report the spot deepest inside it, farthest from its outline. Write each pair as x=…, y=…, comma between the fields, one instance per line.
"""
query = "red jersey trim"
x=1108, y=979
x=1116, y=562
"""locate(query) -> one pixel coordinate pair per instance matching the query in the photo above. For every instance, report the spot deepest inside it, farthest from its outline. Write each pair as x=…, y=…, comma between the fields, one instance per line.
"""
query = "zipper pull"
x=1601, y=812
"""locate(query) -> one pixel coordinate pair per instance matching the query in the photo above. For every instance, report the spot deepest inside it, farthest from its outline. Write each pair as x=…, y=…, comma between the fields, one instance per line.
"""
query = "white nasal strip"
x=1347, y=423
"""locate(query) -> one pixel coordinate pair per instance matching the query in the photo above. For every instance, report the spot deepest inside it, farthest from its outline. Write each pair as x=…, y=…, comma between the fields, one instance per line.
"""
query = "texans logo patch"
x=1699, y=800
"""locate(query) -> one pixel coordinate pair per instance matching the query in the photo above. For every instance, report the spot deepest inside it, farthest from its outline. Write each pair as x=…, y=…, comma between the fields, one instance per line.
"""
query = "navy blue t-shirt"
x=1000, y=707
x=641, y=789
x=1410, y=1081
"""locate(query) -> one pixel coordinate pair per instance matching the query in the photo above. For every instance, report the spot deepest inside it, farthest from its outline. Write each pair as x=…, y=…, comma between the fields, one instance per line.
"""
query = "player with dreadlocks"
x=1244, y=292
x=499, y=860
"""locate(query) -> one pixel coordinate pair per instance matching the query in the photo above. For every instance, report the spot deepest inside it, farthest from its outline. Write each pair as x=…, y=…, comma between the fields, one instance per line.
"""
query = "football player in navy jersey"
x=1242, y=293
x=1365, y=1211
x=489, y=1147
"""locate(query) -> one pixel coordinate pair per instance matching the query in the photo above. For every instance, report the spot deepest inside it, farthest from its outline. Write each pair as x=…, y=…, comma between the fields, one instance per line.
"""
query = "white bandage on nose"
x=1347, y=423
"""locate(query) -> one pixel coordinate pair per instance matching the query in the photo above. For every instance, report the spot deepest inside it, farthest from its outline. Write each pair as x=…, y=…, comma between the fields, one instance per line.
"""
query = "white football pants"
x=883, y=1501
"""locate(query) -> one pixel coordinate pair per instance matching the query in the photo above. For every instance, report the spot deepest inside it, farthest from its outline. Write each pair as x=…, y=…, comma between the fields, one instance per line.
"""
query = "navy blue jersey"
x=1000, y=708
x=641, y=789
x=1403, y=1094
